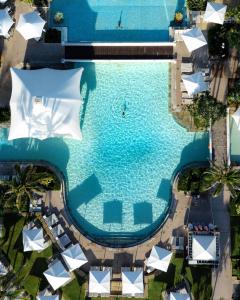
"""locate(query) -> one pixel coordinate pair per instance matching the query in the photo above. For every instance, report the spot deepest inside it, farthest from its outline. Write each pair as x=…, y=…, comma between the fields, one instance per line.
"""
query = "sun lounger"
x=186, y=67
x=56, y=230
x=63, y=241
x=183, y=88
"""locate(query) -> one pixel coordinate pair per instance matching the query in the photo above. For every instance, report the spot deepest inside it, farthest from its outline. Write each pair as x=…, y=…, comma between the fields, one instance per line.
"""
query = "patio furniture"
x=51, y=220
x=63, y=241
x=177, y=243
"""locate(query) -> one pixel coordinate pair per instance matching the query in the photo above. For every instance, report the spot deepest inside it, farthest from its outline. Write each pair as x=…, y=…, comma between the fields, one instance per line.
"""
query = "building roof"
x=74, y=257
x=159, y=258
x=45, y=103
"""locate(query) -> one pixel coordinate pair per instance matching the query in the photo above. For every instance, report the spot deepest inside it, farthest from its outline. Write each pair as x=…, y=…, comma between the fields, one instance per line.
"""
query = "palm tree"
x=28, y=181
x=218, y=177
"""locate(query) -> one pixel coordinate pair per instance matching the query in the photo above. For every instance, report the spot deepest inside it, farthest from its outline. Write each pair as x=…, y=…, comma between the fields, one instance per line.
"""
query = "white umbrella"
x=30, y=25
x=53, y=297
x=74, y=257
x=215, y=13
x=236, y=118
x=194, y=83
x=159, y=259
x=204, y=247
x=179, y=296
x=57, y=275
x=3, y=269
x=194, y=39
x=6, y=22
x=132, y=282
x=33, y=239
x=99, y=282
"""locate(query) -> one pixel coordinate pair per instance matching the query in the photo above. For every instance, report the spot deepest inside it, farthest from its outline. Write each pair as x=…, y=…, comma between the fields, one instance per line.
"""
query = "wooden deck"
x=118, y=52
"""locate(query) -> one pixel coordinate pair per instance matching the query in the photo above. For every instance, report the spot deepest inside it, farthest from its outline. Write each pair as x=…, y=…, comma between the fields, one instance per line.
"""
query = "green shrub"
x=206, y=109
x=217, y=41
x=233, y=37
x=5, y=114
x=53, y=36
x=196, y=4
x=55, y=184
x=233, y=12
x=190, y=180
x=233, y=97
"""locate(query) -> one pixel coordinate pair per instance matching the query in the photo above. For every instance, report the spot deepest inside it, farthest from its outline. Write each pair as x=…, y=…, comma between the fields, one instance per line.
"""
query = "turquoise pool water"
x=119, y=175
x=117, y=20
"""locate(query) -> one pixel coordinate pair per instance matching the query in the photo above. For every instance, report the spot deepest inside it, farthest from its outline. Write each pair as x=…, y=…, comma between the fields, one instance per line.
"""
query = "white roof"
x=99, y=282
x=194, y=83
x=6, y=22
x=204, y=247
x=132, y=282
x=179, y=296
x=215, y=13
x=193, y=39
x=74, y=257
x=45, y=103
x=33, y=239
x=57, y=275
x=3, y=269
x=53, y=297
x=159, y=258
x=236, y=117
x=30, y=25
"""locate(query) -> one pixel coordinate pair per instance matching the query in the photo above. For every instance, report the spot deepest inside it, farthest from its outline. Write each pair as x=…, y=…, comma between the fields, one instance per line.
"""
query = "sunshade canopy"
x=74, y=257
x=45, y=103
x=204, y=247
x=99, y=282
x=132, y=282
x=33, y=239
x=57, y=275
x=6, y=22
x=179, y=296
x=236, y=118
x=159, y=258
x=194, y=83
x=30, y=25
x=215, y=13
x=53, y=297
x=194, y=39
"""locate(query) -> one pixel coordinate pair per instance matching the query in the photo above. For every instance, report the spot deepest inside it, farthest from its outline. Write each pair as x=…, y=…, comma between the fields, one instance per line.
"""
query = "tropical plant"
x=178, y=17
x=218, y=177
x=190, y=180
x=25, y=184
x=233, y=37
x=233, y=97
x=196, y=5
x=205, y=109
x=58, y=17
x=233, y=12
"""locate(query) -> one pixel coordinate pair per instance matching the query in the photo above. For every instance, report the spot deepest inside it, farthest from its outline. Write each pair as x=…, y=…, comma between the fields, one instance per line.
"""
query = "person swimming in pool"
x=124, y=109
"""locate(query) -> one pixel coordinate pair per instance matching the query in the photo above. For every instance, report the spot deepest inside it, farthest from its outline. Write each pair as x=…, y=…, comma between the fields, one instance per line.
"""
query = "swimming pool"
x=117, y=20
x=119, y=176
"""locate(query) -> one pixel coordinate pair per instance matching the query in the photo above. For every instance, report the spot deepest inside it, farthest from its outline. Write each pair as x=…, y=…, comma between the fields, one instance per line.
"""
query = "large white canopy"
x=33, y=239
x=3, y=269
x=194, y=83
x=194, y=39
x=132, y=282
x=30, y=25
x=236, y=118
x=6, y=22
x=53, y=297
x=57, y=275
x=45, y=103
x=215, y=13
x=74, y=257
x=204, y=247
x=159, y=258
x=179, y=296
x=99, y=282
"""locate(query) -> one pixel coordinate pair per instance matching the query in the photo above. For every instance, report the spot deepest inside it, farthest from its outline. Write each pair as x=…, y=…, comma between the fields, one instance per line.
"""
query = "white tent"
x=45, y=103
x=99, y=282
x=57, y=275
x=74, y=257
x=6, y=22
x=33, y=239
x=3, y=269
x=236, y=118
x=159, y=259
x=30, y=25
x=194, y=83
x=215, y=13
x=132, y=283
x=193, y=39
x=52, y=297
x=204, y=247
x=179, y=296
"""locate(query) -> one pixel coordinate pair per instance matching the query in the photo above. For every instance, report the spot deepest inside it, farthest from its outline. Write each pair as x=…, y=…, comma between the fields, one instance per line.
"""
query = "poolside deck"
x=118, y=52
